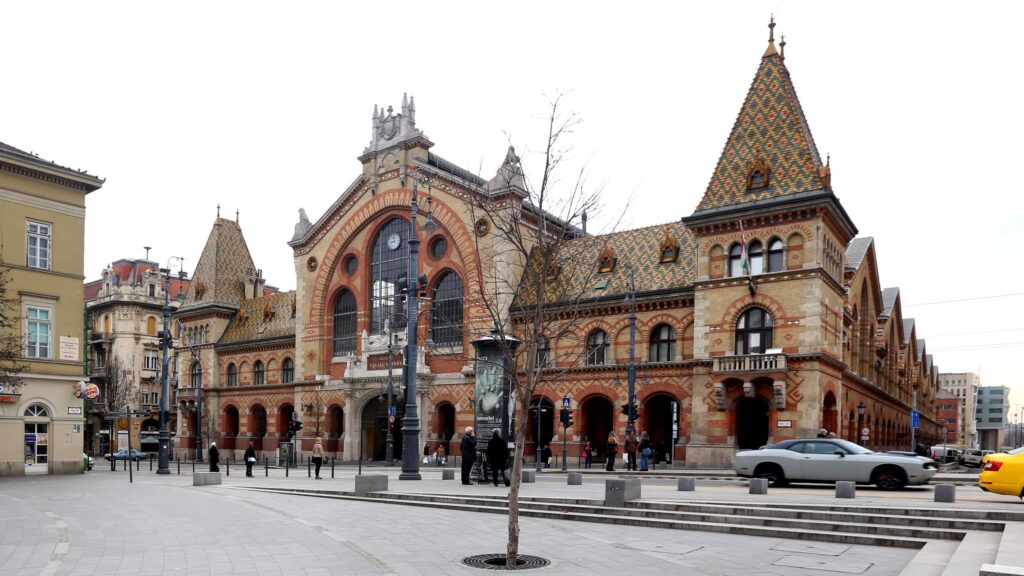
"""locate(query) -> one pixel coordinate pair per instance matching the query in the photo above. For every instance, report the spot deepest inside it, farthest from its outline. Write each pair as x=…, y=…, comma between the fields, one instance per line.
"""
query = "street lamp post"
x=389, y=442
x=164, y=465
x=537, y=458
x=411, y=421
x=860, y=421
x=631, y=375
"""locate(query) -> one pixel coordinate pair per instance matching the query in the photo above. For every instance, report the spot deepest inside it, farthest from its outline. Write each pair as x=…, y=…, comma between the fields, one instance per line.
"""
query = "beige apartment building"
x=965, y=386
x=42, y=233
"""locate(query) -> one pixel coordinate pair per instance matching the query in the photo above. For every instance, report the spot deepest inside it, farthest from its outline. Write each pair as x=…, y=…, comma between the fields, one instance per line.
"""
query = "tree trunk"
x=512, y=551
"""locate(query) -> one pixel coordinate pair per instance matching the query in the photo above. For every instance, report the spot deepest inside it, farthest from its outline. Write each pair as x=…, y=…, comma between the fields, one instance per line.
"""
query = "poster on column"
x=489, y=398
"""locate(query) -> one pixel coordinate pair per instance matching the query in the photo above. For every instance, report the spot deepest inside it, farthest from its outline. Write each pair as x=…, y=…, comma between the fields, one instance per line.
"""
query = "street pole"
x=389, y=442
x=537, y=439
x=631, y=377
x=164, y=465
x=913, y=431
x=411, y=421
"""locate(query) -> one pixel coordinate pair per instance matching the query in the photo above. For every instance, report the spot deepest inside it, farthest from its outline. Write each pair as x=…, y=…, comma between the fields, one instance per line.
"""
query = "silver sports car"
x=831, y=460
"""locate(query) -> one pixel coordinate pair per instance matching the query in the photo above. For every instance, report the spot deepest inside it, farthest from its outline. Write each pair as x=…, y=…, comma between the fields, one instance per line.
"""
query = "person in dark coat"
x=468, y=447
x=250, y=459
x=214, y=457
x=610, y=450
x=545, y=455
x=497, y=456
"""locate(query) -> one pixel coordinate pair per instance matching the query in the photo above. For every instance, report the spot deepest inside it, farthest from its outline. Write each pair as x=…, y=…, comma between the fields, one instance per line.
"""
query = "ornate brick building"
x=760, y=314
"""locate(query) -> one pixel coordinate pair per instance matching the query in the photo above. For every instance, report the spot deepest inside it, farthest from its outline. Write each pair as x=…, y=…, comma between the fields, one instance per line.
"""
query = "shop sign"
x=92, y=391
x=10, y=397
x=784, y=424
x=74, y=410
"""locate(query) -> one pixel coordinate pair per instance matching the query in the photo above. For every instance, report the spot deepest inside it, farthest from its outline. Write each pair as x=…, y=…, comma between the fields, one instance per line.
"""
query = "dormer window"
x=758, y=179
x=669, y=250
x=606, y=263
x=758, y=174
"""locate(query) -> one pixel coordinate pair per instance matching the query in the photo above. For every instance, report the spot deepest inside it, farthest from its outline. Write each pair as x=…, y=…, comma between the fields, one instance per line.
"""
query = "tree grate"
x=497, y=562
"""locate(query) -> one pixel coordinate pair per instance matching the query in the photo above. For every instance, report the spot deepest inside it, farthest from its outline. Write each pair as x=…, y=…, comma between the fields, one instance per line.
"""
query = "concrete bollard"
x=621, y=490
x=945, y=493
x=575, y=479
x=366, y=483
x=448, y=474
x=846, y=489
x=205, y=478
x=529, y=476
x=758, y=485
x=686, y=485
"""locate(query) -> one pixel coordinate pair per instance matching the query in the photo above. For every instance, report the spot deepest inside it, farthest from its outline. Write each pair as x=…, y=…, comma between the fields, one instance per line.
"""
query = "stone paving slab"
x=163, y=525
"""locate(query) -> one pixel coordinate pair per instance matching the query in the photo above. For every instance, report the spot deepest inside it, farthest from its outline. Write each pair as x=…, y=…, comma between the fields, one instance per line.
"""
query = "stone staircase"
x=950, y=541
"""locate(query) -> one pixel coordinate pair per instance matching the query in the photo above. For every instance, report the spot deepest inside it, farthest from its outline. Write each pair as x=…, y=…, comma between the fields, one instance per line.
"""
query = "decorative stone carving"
x=780, y=394
x=748, y=389
x=720, y=395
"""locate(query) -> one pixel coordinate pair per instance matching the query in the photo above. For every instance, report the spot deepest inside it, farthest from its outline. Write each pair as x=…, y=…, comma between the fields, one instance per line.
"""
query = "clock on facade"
x=394, y=241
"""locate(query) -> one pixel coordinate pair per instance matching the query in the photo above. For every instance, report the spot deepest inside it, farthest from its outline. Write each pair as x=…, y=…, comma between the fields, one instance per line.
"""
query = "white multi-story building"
x=965, y=385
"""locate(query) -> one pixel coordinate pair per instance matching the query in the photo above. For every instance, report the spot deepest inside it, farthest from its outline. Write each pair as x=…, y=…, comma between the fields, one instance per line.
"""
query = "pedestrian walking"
x=610, y=450
x=426, y=453
x=214, y=457
x=250, y=459
x=318, y=456
x=440, y=456
x=645, y=450
x=588, y=453
x=629, y=449
x=545, y=455
x=823, y=433
x=497, y=457
x=468, y=447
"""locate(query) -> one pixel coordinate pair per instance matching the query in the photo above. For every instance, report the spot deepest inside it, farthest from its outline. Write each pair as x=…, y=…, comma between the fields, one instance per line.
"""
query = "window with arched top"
x=597, y=348
x=232, y=374
x=663, y=344
x=37, y=411
x=258, y=374
x=197, y=375
x=754, y=332
x=345, y=324
x=776, y=258
x=756, y=257
x=735, y=260
x=446, y=313
x=389, y=262
x=287, y=370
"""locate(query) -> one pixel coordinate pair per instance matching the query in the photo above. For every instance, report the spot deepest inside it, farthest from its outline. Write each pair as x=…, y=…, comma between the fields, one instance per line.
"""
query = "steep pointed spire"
x=770, y=51
x=770, y=151
x=219, y=274
x=782, y=47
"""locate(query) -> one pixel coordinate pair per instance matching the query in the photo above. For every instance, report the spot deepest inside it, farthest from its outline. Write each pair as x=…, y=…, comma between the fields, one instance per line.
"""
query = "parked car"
x=945, y=453
x=972, y=457
x=831, y=460
x=123, y=455
x=1003, y=473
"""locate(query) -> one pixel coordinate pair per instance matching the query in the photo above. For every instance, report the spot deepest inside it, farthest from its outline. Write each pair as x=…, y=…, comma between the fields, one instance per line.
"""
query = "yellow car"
x=1003, y=473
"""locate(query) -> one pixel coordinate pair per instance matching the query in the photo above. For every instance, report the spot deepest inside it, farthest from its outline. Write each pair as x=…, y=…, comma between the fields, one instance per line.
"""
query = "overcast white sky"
x=264, y=107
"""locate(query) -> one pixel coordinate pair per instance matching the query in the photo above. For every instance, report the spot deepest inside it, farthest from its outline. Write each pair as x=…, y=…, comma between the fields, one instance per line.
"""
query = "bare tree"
x=541, y=271
x=118, y=388
x=12, y=342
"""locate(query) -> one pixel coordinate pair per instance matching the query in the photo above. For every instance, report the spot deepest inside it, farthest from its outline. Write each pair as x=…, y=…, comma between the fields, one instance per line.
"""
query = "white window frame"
x=42, y=234
x=48, y=322
x=151, y=361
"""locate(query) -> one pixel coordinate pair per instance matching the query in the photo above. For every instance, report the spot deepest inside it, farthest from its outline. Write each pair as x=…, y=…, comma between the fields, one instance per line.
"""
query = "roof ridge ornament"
x=771, y=51
x=782, y=47
x=391, y=129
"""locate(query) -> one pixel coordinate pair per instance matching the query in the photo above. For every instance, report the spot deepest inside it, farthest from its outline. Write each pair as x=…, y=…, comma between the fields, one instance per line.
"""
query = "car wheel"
x=772, y=473
x=889, y=478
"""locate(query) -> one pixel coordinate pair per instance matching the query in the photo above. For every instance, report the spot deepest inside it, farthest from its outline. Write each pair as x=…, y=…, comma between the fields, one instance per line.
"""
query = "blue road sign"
x=915, y=419
x=392, y=410
x=566, y=402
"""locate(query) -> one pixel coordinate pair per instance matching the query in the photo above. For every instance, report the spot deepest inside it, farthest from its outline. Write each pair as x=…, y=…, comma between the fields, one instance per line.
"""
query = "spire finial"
x=771, y=29
x=236, y=215
x=218, y=210
x=782, y=46
x=828, y=160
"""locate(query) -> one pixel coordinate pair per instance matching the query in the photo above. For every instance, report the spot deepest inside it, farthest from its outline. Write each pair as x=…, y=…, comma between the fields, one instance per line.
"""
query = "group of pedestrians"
x=497, y=456
x=250, y=457
x=632, y=446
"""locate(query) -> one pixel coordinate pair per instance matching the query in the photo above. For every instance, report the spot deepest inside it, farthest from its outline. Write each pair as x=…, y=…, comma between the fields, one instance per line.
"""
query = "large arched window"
x=597, y=348
x=754, y=332
x=390, y=262
x=756, y=257
x=446, y=315
x=345, y=324
x=775, y=256
x=287, y=370
x=232, y=374
x=736, y=260
x=197, y=375
x=258, y=374
x=663, y=344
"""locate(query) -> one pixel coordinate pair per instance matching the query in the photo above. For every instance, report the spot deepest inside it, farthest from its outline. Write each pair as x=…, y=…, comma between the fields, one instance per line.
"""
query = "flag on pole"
x=744, y=257
x=182, y=335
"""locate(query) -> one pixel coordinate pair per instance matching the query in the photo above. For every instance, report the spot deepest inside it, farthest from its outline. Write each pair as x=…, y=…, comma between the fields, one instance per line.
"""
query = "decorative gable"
x=758, y=173
x=606, y=262
x=668, y=251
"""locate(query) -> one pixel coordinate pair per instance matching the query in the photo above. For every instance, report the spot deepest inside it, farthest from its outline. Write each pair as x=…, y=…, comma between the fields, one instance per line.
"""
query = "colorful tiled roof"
x=771, y=127
x=262, y=318
x=578, y=264
x=220, y=274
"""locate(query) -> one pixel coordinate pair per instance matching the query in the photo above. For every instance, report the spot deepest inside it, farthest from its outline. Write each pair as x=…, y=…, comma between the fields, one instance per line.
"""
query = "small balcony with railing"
x=771, y=361
x=97, y=368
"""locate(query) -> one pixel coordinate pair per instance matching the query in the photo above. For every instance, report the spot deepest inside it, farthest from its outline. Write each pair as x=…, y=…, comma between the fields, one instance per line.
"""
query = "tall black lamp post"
x=389, y=442
x=860, y=421
x=631, y=376
x=163, y=464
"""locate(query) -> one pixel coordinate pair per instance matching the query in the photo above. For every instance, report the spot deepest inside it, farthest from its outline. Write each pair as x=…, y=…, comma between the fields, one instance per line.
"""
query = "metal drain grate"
x=497, y=562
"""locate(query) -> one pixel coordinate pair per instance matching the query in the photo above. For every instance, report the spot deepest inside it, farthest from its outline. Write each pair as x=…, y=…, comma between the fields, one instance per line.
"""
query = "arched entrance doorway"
x=657, y=418
x=231, y=428
x=597, y=421
x=375, y=430
x=751, y=423
x=335, y=427
x=446, y=425
x=829, y=415
x=547, y=428
x=258, y=425
x=37, y=439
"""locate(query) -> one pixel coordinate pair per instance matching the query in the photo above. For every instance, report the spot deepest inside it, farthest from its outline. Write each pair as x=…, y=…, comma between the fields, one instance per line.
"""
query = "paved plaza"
x=100, y=524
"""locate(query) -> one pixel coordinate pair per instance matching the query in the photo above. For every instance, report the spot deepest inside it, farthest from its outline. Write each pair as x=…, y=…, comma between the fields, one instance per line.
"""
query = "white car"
x=832, y=460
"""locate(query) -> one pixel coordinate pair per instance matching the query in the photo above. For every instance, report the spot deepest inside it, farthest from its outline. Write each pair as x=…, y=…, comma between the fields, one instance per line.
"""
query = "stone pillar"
x=352, y=428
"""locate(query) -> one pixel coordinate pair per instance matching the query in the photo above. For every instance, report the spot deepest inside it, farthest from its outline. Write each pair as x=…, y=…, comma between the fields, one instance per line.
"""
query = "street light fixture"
x=539, y=409
x=631, y=375
x=163, y=463
x=860, y=420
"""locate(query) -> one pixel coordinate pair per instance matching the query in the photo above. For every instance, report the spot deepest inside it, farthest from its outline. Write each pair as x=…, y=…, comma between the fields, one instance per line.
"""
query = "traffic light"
x=291, y=428
x=422, y=281
x=563, y=417
x=625, y=409
x=568, y=419
x=298, y=425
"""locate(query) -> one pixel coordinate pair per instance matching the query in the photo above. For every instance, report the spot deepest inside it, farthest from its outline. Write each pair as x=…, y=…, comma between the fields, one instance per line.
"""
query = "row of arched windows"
x=258, y=373
x=753, y=336
x=759, y=260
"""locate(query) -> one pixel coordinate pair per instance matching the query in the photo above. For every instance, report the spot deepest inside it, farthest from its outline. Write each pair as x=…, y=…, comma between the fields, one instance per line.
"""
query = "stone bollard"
x=529, y=476
x=205, y=478
x=366, y=483
x=846, y=489
x=945, y=493
x=448, y=474
x=575, y=478
x=621, y=490
x=758, y=485
x=686, y=485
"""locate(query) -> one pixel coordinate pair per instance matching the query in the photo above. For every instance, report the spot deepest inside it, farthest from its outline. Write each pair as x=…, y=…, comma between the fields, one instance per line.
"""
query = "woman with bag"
x=645, y=450
x=440, y=456
x=318, y=456
x=426, y=453
x=610, y=450
x=587, y=453
x=250, y=459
